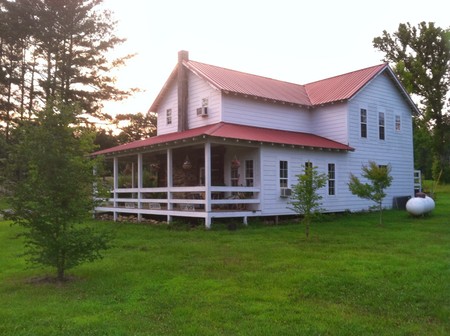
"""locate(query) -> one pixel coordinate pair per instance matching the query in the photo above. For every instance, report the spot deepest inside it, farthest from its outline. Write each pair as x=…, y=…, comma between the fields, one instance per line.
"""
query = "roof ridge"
x=245, y=73
x=347, y=73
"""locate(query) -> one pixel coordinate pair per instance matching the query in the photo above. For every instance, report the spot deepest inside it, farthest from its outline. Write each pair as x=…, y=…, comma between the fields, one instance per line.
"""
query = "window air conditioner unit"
x=285, y=192
x=202, y=111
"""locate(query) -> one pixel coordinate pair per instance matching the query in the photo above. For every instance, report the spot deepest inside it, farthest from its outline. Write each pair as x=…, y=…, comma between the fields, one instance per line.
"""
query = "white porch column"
x=169, y=183
x=115, y=184
x=208, y=183
x=139, y=184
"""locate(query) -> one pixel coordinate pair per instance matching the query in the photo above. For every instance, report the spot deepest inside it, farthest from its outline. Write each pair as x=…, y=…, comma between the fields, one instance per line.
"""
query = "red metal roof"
x=234, y=131
x=247, y=84
x=334, y=89
x=341, y=87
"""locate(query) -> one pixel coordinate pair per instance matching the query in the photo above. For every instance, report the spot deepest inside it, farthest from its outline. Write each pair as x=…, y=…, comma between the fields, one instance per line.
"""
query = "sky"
x=291, y=40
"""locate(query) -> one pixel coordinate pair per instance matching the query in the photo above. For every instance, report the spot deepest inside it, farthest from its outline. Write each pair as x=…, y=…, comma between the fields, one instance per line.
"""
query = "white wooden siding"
x=331, y=122
x=381, y=95
x=170, y=101
x=252, y=112
x=198, y=90
x=273, y=204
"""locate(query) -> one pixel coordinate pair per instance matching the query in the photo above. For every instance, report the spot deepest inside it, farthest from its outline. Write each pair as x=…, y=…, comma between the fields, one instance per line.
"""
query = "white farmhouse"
x=230, y=144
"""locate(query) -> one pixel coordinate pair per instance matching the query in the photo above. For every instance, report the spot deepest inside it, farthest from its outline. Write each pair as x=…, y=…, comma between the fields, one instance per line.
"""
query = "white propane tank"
x=417, y=206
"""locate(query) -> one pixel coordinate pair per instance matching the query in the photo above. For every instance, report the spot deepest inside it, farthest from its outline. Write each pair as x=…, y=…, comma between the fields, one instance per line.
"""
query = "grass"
x=353, y=277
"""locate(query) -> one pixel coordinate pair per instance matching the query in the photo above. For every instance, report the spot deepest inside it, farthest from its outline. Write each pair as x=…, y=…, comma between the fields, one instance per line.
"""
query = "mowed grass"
x=353, y=277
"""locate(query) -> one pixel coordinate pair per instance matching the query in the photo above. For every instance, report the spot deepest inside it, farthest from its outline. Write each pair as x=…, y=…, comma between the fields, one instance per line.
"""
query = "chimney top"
x=183, y=55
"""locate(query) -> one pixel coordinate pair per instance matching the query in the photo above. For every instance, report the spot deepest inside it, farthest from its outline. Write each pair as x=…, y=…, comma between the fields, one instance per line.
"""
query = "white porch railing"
x=197, y=198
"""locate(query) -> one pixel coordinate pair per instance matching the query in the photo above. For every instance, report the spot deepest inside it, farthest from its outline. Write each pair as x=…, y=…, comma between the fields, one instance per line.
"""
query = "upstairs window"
x=331, y=179
x=249, y=173
x=283, y=174
x=398, y=123
x=381, y=127
x=363, y=122
x=169, y=116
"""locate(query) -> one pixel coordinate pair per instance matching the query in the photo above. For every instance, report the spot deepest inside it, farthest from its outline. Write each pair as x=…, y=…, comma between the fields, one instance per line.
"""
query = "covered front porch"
x=201, y=179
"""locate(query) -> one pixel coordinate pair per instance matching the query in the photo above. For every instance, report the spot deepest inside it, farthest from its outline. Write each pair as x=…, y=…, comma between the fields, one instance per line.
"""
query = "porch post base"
x=244, y=220
x=208, y=221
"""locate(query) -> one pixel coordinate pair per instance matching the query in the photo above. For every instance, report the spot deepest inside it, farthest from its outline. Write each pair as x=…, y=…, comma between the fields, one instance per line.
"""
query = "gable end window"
x=169, y=116
x=283, y=174
x=363, y=123
x=381, y=125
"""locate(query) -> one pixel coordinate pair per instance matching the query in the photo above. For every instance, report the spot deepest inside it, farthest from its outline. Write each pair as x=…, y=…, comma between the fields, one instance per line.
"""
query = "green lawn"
x=352, y=277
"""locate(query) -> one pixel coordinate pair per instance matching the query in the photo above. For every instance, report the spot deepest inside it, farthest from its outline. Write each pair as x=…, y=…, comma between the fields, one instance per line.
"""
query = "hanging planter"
x=154, y=166
x=187, y=163
x=235, y=163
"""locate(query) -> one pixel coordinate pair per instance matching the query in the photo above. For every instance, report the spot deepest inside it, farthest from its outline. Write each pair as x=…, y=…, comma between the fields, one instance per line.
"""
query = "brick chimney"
x=182, y=81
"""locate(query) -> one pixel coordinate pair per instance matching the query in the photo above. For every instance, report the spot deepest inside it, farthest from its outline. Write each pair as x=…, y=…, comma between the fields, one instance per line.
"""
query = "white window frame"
x=398, y=123
x=363, y=123
x=381, y=125
x=168, y=116
x=283, y=171
x=249, y=173
x=331, y=179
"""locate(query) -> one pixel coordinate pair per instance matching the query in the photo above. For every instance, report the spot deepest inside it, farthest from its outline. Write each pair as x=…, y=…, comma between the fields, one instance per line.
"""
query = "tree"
x=54, y=49
x=52, y=191
x=305, y=199
x=379, y=179
x=421, y=59
x=135, y=126
x=105, y=139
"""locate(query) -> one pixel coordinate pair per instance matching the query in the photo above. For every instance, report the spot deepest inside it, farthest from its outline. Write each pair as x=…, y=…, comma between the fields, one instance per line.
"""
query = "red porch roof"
x=234, y=131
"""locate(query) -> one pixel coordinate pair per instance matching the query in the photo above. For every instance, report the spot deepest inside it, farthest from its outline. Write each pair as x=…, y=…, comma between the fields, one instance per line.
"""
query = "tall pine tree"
x=56, y=49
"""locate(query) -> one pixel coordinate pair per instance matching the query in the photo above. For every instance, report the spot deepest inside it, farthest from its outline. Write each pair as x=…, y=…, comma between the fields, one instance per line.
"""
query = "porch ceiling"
x=235, y=132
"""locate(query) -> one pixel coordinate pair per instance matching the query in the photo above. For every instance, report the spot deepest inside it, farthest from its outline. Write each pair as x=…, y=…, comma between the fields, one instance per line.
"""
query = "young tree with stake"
x=379, y=178
x=305, y=199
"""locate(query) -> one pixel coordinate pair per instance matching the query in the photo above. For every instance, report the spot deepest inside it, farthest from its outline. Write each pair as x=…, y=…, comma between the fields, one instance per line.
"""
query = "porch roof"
x=236, y=132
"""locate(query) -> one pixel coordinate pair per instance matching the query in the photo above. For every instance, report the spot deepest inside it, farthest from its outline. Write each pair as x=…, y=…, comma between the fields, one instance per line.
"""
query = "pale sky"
x=291, y=40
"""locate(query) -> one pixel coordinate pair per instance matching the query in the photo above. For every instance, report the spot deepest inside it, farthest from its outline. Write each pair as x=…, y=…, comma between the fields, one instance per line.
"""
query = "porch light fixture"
x=187, y=163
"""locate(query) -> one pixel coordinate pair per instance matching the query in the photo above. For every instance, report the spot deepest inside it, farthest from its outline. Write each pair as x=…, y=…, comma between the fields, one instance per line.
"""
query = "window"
x=398, y=122
x=331, y=179
x=234, y=177
x=249, y=173
x=381, y=125
x=308, y=165
x=169, y=116
x=363, y=121
x=283, y=174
